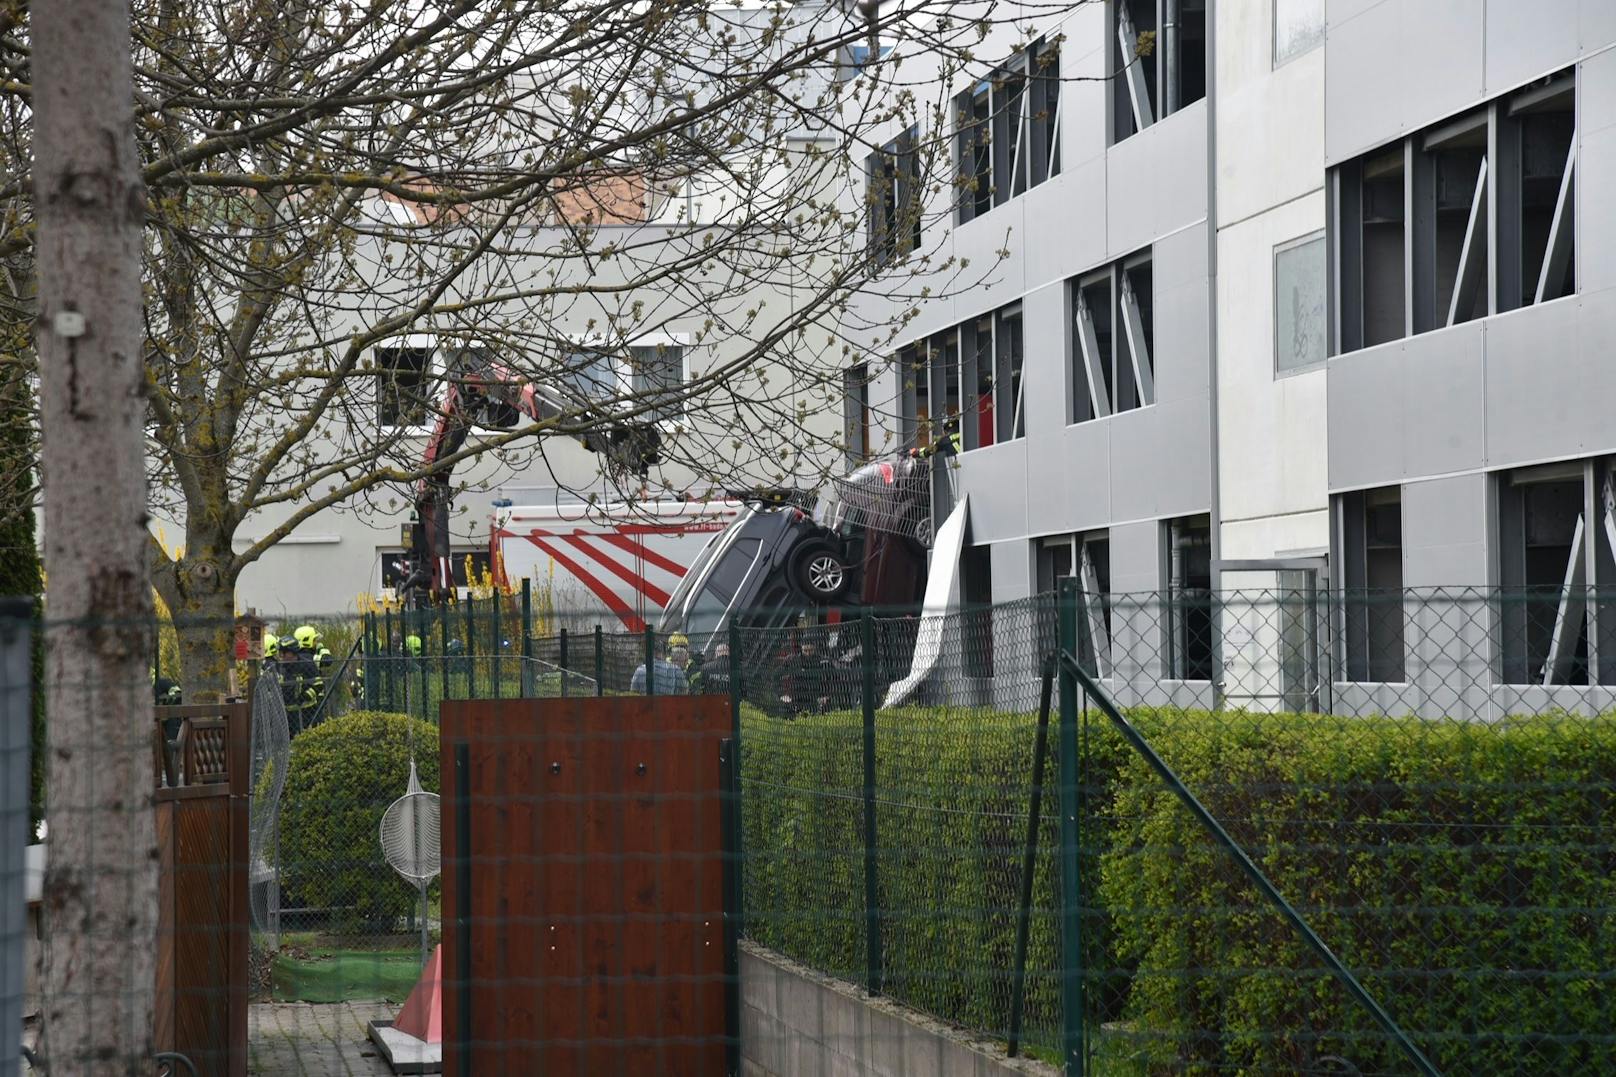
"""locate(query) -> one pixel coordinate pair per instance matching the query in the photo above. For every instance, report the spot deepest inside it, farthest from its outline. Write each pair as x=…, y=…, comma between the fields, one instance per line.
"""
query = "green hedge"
x=1463, y=870
x=341, y=776
x=950, y=822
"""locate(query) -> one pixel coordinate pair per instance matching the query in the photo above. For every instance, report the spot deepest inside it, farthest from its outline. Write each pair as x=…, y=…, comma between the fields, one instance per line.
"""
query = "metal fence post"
x=423, y=633
x=367, y=668
x=471, y=646
x=443, y=650
x=566, y=667
x=1029, y=860
x=499, y=643
x=16, y=682
x=735, y=697
x=600, y=661
x=650, y=661
x=527, y=637
x=874, y=972
x=387, y=666
x=1073, y=1004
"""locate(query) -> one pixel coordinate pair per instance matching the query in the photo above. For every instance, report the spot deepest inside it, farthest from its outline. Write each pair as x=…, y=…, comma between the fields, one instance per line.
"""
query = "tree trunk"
x=204, y=620
x=101, y=880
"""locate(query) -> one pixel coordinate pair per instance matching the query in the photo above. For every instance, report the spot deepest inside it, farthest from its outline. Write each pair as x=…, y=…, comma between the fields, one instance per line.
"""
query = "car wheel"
x=819, y=571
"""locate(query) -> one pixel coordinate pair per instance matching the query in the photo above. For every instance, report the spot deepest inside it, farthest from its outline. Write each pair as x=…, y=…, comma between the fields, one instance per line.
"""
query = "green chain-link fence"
x=1425, y=778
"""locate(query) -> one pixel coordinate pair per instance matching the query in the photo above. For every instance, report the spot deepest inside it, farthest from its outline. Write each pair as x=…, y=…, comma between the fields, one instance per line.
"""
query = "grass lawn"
x=324, y=974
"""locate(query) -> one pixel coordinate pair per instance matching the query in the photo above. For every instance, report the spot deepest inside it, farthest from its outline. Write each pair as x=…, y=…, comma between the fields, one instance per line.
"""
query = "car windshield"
x=693, y=576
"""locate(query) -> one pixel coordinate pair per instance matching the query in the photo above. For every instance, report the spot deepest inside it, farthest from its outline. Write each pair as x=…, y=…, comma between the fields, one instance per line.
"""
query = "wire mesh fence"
x=999, y=817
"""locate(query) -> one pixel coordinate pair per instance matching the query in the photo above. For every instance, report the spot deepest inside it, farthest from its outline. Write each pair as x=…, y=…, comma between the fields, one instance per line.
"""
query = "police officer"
x=712, y=677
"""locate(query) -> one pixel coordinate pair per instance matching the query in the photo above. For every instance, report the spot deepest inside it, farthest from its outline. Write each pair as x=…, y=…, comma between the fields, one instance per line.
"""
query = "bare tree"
x=100, y=882
x=542, y=185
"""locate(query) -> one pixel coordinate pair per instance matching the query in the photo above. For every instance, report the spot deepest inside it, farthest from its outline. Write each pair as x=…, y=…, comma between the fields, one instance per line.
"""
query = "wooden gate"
x=583, y=886
x=202, y=920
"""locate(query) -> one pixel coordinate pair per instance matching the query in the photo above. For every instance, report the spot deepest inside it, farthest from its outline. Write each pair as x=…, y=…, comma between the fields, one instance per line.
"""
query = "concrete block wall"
x=799, y=1023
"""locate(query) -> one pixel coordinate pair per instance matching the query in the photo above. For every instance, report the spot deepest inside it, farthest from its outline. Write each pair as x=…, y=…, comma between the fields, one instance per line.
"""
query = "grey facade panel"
x=1067, y=220
x=996, y=479
x=1363, y=103
x=1596, y=206
x=1012, y=580
x=1541, y=399
x=1397, y=66
x=1366, y=417
x=1182, y=296
x=1526, y=40
x=1083, y=98
x=1160, y=461
x=1441, y=387
x=1445, y=532
x=1596, y=92
x=1136, y=558
x=1598, y=24
x=994, y=279
x=1072, y=480
x=1043, y=318
x=1156, y=181
x=1520, y=388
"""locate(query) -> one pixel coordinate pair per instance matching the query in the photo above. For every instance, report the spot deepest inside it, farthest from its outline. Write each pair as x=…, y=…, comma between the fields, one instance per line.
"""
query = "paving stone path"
x=301, y=1039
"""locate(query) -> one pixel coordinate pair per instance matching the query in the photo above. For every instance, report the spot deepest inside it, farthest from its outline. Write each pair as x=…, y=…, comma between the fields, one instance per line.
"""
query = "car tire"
x=819, y=572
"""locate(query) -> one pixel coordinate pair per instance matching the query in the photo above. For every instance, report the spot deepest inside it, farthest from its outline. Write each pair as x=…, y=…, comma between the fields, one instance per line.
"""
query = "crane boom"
x=489, y=394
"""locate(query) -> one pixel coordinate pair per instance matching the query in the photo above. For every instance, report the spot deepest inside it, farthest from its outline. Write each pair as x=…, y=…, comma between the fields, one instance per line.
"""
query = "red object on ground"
x=422, y=1015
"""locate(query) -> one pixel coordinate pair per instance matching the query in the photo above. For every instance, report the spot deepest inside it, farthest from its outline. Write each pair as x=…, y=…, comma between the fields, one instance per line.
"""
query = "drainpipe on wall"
x=1212, y=344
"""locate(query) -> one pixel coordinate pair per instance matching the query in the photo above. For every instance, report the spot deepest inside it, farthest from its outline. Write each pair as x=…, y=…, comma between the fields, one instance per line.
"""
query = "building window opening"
x=1088, y=558
x=1008, y=359
x=1188, y=576
x=1542, y=568
x=402, y=383
x=656, y=375
x=1113, y=356
x=892, y=176
x=1479, y=209
x=945, y=382
x=1007, y=131
x=914, y=396
x=974, y=145
x=856, y=413
x=1371, y=523
x=1159, y=61
x=978, y=374
x=1541, y=130
x=1450, y=250
x=976, y=590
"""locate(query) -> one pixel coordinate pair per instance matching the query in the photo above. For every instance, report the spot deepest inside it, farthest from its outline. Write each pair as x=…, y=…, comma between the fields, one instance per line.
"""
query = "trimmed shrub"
x=1463, y=871
x=953, y=789
x=341, y=776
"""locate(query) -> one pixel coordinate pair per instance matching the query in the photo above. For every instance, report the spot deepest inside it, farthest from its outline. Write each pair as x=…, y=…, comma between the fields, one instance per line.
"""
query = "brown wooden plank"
x=163, y=1003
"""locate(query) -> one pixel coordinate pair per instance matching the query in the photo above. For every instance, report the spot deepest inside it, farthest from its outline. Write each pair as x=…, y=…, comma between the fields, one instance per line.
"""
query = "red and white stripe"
x=631, y=570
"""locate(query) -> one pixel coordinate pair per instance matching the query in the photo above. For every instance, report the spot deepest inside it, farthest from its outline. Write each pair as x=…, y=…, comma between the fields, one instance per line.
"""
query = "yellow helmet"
x=678, y=639
x=305, y=636
x=272, y=645
x=412, y=644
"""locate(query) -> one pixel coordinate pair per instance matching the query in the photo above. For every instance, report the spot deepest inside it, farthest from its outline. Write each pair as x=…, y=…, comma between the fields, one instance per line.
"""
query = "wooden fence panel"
x=203, y=918
x=596, y=886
